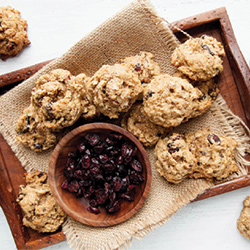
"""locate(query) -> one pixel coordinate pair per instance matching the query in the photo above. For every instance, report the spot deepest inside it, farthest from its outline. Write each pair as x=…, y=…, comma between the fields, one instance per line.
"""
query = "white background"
x=54, y=26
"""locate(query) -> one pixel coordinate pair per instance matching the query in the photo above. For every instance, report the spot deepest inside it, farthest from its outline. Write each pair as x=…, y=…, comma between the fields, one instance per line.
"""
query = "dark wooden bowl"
x=77, y=207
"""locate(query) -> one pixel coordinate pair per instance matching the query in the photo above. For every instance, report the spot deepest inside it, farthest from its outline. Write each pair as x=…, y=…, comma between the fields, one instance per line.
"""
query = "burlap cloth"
x=134, y=29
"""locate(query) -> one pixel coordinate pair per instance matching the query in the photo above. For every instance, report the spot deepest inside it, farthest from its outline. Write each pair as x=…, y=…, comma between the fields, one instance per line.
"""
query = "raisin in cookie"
x=137, y=123
x=32, y=133
x=209, y=88
x=173, y=160
x=115, y=88
x=168, y=101
x=13, y=35
x=243, y=222
x=59, y=98
x=143, y=65
x=199, y=58
x=214, y=154
x=41, y=212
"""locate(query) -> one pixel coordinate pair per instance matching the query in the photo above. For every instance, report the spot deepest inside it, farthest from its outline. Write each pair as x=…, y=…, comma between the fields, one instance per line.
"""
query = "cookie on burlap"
x=214, y=154
x=243, y=222
x=138, y=124
x=173, y=160
x=143, y=65
x=41, y=212
x=199, y=58
x=59, y=99
x=89, y=111
x=31, y=131
x=208, y=88
x=169, y=101
x=115, y=89
x=13, y=35
x=201, y=154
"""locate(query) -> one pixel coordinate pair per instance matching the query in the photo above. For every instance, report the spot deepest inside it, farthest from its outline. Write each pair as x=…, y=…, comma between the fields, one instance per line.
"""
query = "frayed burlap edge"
x=234, y=127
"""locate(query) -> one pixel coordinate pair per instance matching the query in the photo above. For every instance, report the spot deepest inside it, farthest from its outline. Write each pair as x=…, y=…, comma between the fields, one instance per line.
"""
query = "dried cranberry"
x=119, y=159
x=86, y=161
x=172, y=147
x=138, y=67
x=121, y=170
x=108, y=167
x=117, y=183
x=115, y=207
x=112, y=197
x=101, y=196
x=94, y=210
x=92, y=139
x=65, y=185
x=69, y=171
x=212, y=138
x=85, y=183
x=130, y=193
x=103, y=158
x=91, y=189
x=70, y=161
x=74, y=186
x=126, y=150
x=79, y=193
x=95, y=171
x=81, y=147
x=71, y=155
x=93, y=203
x=136, y=165
x=78, y=174
x=95, y=162
x=99, y=148
x=116, y=137
x=110, y=141
x=87, y=152
x=136, y=178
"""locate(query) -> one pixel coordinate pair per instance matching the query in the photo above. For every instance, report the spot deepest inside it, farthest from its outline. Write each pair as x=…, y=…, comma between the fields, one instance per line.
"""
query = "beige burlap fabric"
x=134, y=29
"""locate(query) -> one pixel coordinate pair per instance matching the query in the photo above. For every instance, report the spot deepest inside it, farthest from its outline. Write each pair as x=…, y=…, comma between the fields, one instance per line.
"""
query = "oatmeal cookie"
x=199, y=58
x=173, y=160
x=208, y=88
x=168, y=101
x=243, y=222
x=41, y=212
x=89, y=111
x=32, y=133
x=13, y=35
x=143, y=65
x=214, y=154
x=115, y=89
x=59, y=99
x=201, y=154
x=137, y=123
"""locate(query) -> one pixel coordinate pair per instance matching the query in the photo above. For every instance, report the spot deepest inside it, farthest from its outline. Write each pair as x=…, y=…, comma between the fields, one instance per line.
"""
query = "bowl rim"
x=51, y=173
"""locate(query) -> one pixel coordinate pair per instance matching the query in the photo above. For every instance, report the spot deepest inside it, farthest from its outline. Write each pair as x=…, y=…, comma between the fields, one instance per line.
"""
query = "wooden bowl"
x=77, y=207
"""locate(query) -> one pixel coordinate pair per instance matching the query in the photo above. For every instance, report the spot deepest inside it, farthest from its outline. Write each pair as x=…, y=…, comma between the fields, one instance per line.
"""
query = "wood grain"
x=77, y=208
x=234, y=84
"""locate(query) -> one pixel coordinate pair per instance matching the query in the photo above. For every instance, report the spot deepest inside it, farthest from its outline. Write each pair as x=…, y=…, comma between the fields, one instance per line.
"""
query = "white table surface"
x=54, y=26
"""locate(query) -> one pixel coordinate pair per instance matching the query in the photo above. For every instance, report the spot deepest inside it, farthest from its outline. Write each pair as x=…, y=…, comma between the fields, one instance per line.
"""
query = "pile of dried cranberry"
x=103, y=170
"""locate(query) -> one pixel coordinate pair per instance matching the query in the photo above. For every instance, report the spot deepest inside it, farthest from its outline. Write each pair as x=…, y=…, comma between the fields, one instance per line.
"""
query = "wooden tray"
x=235, y=88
